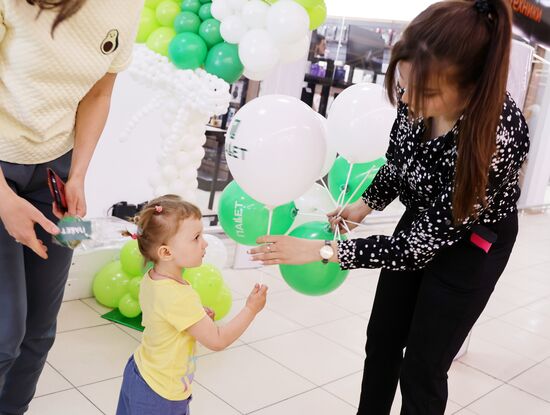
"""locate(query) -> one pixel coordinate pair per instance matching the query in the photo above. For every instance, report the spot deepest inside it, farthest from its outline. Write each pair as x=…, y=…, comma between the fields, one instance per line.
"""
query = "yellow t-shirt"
x=43, y=79
x=166, y=356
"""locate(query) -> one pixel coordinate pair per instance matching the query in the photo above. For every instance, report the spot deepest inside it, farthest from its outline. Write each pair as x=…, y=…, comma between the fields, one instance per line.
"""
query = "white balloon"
x=216, y=252
x=331, y=154
x=220, y=9
x=255, y=76
x=275, y=148
x=258, y=51
x=233, y=29
x=287, y=22
x=182, y=159
x=156, y=179
x=315, y=200
x=170, y=172
x=161, y=190
x=255, y=14
x=236, y=5
x=360, y=122
x=178, y=187
x=188, y=174
x=197, y=155
x=292, y=52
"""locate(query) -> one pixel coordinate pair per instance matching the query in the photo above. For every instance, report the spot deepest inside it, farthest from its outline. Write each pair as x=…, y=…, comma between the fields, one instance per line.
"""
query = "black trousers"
x=428, y=313
x=31, y=290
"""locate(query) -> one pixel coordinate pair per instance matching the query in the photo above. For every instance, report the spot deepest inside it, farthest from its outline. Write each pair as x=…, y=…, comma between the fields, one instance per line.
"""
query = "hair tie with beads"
x=158, y=208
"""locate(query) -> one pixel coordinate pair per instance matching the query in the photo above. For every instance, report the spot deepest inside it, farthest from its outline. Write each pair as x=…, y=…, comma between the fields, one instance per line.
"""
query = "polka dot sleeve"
x=433, y=228
x=384, y=188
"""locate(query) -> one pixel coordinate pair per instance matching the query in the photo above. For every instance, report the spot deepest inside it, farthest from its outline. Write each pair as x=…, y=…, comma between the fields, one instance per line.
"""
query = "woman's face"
x=441, y=98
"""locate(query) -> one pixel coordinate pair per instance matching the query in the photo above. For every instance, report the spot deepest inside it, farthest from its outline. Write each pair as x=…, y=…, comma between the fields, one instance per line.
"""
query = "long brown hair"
x=472, y=39
x=159, y=220
x=64, y=8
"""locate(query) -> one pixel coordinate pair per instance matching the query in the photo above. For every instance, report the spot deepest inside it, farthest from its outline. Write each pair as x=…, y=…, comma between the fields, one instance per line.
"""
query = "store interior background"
x=501, y=374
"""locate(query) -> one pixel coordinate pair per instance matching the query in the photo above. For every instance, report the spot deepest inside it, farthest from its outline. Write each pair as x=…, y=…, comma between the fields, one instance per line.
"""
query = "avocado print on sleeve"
x=110, y=43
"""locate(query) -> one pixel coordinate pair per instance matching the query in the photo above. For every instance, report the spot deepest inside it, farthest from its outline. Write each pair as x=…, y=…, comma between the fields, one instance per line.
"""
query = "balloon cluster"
x=117, y=284
x=187, y=100
x=229, y=37
x=277, y=148
x=186, y=32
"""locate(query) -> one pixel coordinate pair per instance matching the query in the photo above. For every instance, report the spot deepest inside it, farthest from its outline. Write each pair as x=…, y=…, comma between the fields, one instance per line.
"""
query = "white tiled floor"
x=304, y=355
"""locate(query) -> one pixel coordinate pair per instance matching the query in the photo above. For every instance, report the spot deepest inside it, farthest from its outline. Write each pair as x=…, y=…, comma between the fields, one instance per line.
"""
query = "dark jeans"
x=429, y=313
x=31, y=291
x=137, y=397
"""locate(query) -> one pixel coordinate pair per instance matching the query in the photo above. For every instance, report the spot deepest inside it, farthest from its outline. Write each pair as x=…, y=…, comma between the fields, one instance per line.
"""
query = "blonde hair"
x=159, y=220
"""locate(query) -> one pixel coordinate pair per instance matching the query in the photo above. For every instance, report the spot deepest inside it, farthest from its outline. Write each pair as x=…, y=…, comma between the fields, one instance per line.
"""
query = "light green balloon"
x=147, y=25
x=244, y=219
x=314, y=278
x=207, y=281
x=133, y=287
x=160, y=39
x=205, y=12
x=317, y=16
x=192, y=6
x=210, y=32
x=307, y=4
x=166, y=12
x=129, y=307
x=187, y=22
x=131, y=259
x=222, y=303
x=110, y=284
x=152, y=3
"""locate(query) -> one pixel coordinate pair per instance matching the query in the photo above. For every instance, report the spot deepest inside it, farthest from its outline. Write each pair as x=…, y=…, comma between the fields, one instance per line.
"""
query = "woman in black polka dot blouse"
x=455, y=153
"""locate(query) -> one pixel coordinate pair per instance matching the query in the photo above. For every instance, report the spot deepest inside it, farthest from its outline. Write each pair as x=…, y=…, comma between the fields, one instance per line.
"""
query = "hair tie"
x=134, y=236
x=483, y=7
x=158, y=208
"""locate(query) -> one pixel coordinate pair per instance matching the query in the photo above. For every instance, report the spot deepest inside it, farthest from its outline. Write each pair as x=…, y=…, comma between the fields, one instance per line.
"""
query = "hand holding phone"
x=57, y=189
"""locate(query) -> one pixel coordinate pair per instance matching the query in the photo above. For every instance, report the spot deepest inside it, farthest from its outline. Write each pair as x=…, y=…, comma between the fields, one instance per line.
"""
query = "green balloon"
x=244, y=219
x=187, y=22
x=191, y=6
x=204, y=11
x=152, y=3
x=222, y=303
x=210, y=32
x=133, y=287
x=110, y=284
x=131, y=259
x=147, y=25
x=317, y=16
x=187, y=51
x=205, y=1
x=223, y=61
x=206, y=280
x=314, y=278
x=167, y=12
x=339, y=173
x=129, y=307
x=160, y=39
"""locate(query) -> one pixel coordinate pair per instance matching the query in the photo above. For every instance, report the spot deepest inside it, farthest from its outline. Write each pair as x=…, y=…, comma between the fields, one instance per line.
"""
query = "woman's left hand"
x=274, y=250
x=76, y=199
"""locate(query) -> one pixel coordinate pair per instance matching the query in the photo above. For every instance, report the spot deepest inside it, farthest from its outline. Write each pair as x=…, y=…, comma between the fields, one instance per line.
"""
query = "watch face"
x=327, y=252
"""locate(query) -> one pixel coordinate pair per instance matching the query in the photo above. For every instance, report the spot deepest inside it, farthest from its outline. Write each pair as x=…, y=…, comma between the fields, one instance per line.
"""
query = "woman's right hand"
x=19, y=217
x=355, y=212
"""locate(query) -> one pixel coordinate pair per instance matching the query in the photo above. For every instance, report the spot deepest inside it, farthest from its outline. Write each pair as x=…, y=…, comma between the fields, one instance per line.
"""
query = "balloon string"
x=315, y=215
x=356, y=190
x=269, y=222
x=330, y=194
